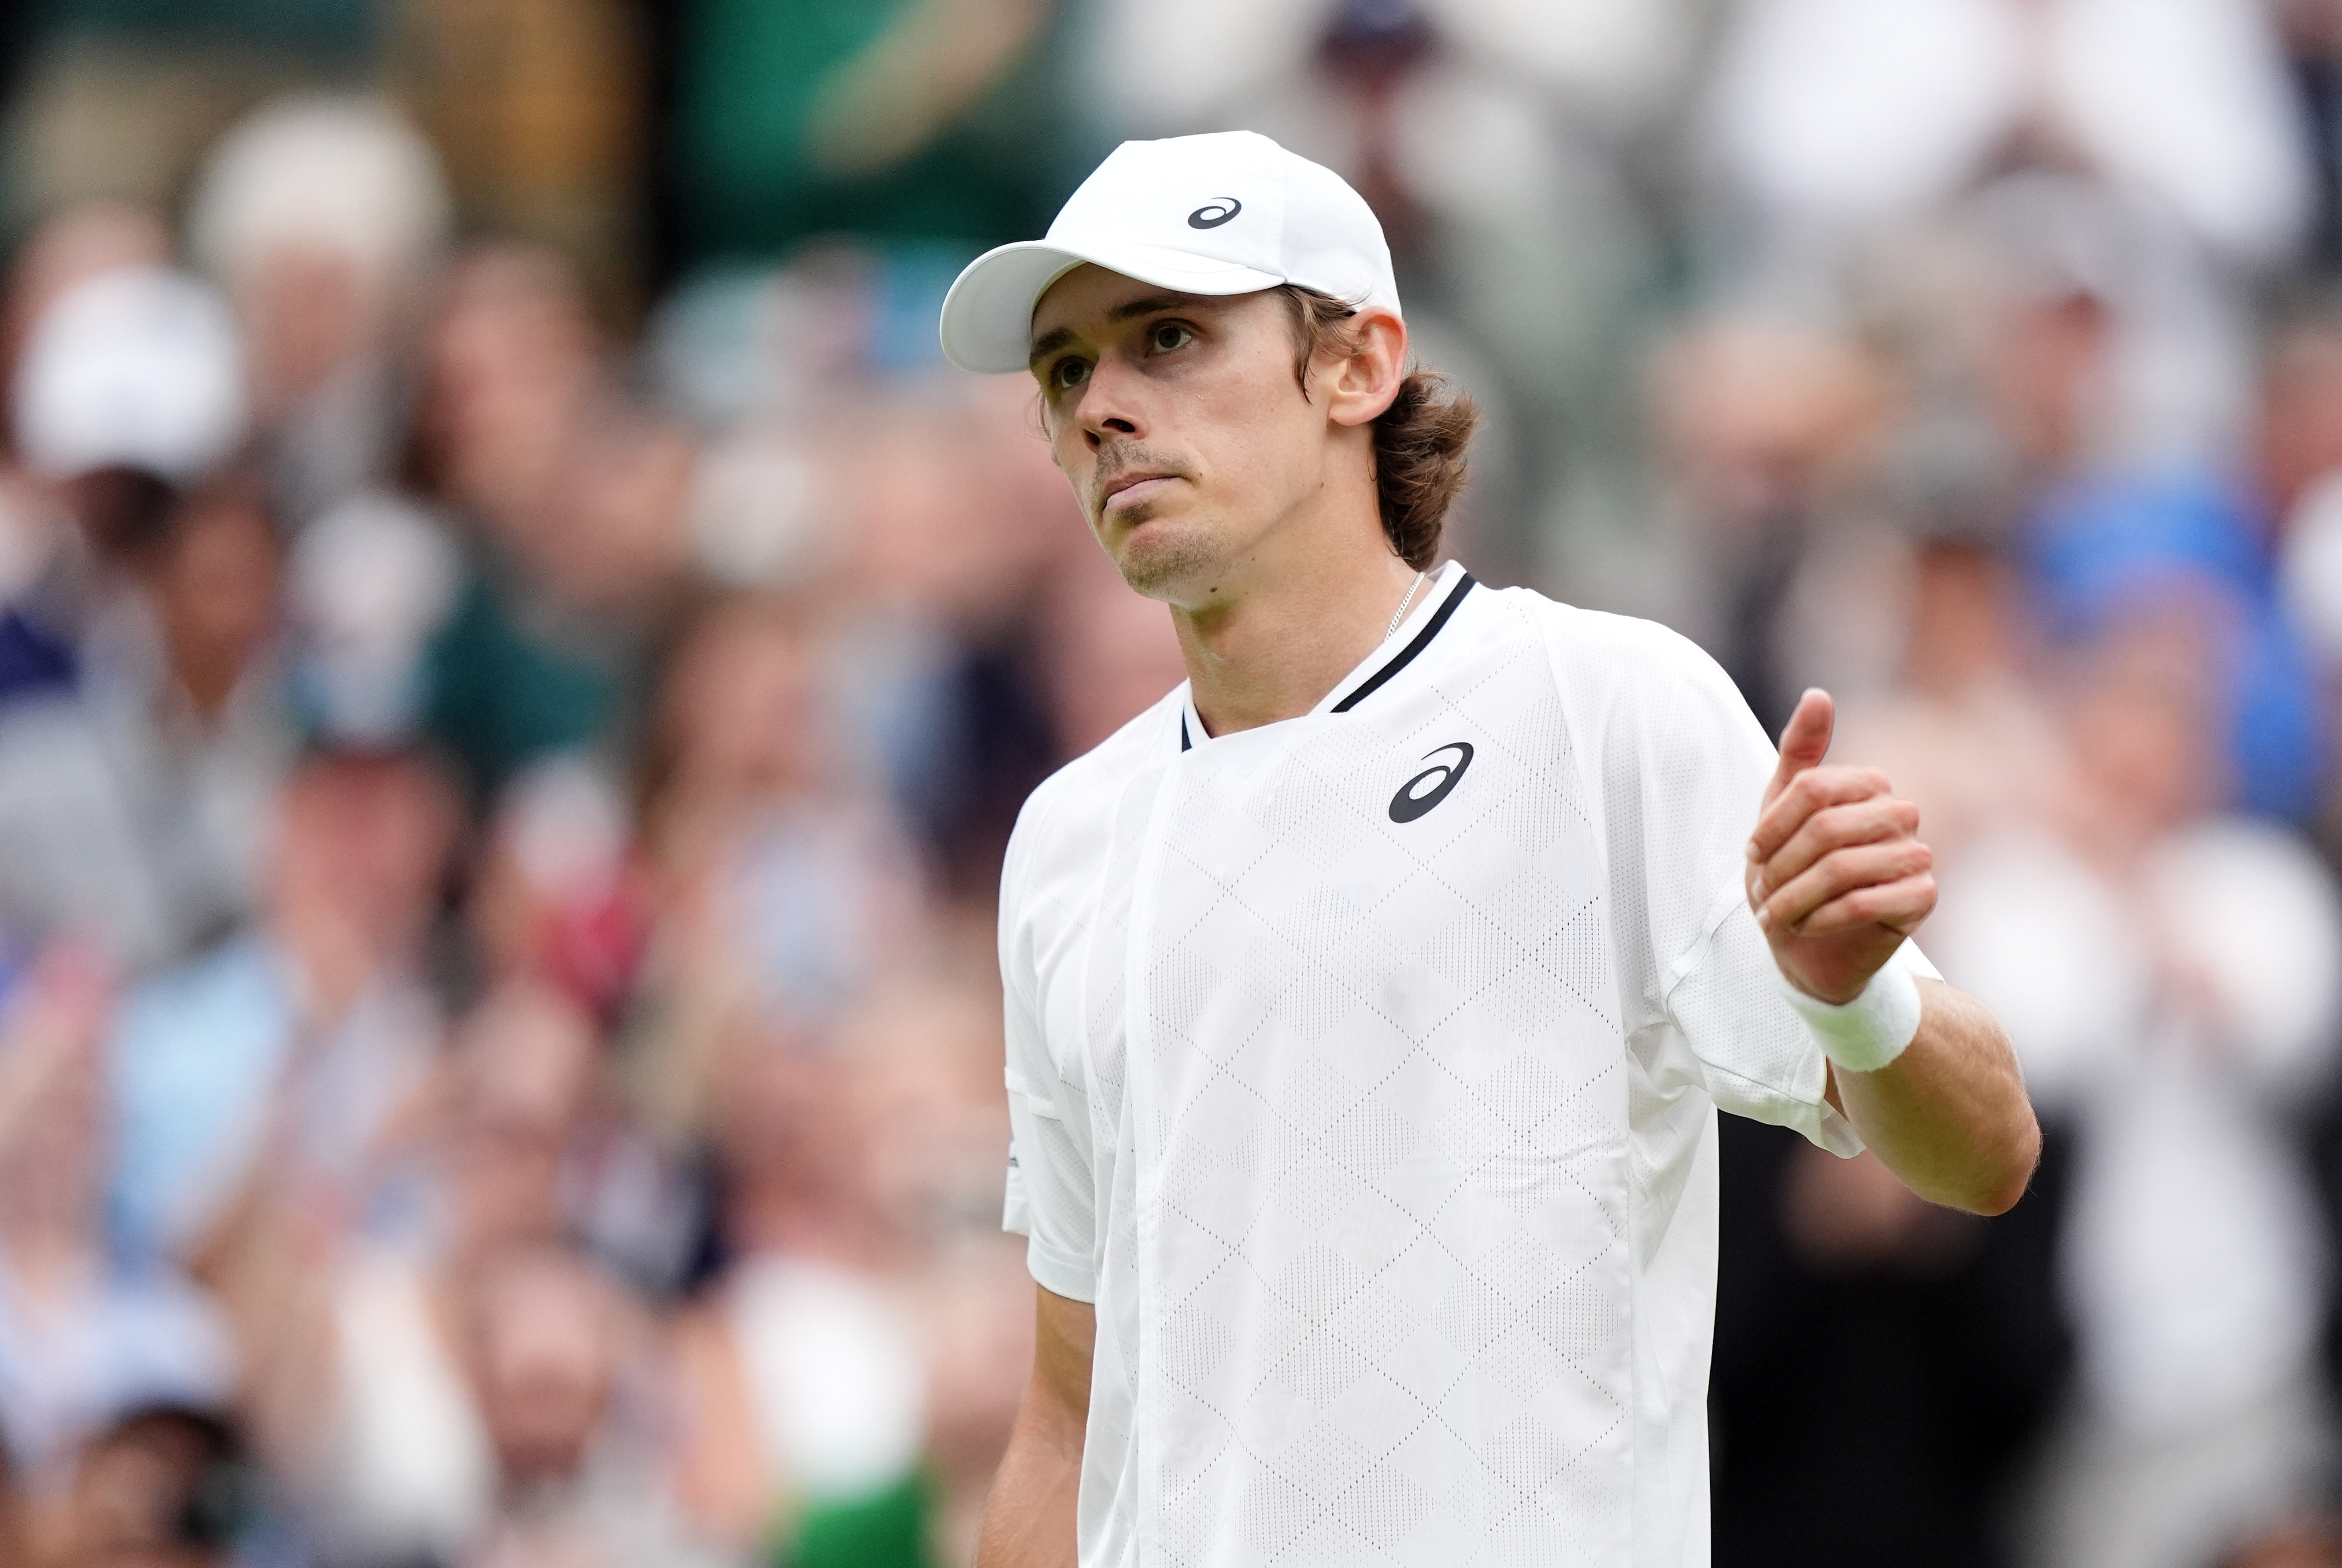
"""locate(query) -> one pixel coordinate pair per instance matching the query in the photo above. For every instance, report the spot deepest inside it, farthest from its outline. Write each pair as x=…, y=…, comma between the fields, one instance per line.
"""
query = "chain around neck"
x=1400, y=614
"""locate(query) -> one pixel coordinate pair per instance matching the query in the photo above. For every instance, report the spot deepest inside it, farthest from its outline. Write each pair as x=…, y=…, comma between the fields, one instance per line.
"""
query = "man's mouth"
x=1131, y=489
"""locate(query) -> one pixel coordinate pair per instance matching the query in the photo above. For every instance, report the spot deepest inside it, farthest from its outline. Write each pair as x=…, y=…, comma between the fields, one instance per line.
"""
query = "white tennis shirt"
x=1363, y=1071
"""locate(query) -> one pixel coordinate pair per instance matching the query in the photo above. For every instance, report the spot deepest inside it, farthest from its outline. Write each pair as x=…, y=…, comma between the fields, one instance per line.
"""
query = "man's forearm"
x=1950, y=1115
x=1029, y=1519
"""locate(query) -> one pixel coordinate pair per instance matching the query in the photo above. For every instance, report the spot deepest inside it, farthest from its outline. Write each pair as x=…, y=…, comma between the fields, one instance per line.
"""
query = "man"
x=1370, y=998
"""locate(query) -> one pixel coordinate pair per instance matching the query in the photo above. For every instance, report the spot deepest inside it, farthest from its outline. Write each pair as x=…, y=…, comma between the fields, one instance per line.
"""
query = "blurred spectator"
x=805, y=1383
x=163, y=1487
x=614, y=544
x=546, y=648
x=39, y=594
x=557, y=900
x=944, y=664
x=123, y=379
x=293, y=1047
x=926, y=1047
x=2299, y=458
x=921, y=1049
x=510, y=357
x=2103, y=519
x=135, y=804
x=2101, y=544
x=810, y=1415
x=137, y=371
x=559, y=1155
x=548, y=1346
x=2173, y=979
x=322, y=217
x=539, y=1146
x=782, y=890
x=1621, y=59
x=2300, y=435
x=85, y=1334
x=2312, y=30
x=578, y=506
x=1769, y=429
x=807, y=1411
x=1963, y=734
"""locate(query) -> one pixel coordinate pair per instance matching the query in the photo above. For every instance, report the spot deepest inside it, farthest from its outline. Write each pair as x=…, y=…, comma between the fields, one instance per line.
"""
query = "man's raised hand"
x=1837, y=874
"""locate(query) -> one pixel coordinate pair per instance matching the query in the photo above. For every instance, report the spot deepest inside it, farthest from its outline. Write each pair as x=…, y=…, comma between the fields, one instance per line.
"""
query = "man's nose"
x=1110, y=404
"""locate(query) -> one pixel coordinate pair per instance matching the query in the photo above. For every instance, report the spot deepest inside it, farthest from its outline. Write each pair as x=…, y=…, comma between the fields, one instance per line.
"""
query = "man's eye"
x=1168, y=335
x=1066, y=374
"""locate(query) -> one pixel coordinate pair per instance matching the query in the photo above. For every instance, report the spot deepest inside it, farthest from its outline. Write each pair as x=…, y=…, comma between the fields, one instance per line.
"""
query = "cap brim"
x=987, y=316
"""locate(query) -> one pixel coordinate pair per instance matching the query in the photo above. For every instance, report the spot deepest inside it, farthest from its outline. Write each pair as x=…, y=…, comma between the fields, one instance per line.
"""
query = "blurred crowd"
x=517, y=664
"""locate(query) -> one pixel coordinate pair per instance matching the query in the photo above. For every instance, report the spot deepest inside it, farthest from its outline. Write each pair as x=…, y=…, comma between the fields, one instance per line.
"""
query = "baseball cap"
x=1226, y=212
x=138, y=366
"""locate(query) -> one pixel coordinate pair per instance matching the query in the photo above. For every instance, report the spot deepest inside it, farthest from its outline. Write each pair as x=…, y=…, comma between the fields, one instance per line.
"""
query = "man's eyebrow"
x=1148, y=306
x=1045, y=346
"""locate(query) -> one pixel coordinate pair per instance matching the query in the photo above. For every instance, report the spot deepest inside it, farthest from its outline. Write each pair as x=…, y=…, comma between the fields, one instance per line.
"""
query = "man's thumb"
x=1806, y=739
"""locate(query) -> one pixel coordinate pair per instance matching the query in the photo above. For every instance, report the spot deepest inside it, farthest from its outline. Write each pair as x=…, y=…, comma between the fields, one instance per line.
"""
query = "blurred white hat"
x=1226, y=212
x=370, y=583
x=138, y=368
x=343, y=173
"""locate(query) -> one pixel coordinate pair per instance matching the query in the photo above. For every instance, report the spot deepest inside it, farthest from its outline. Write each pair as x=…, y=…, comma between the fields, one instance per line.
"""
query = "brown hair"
x=1419, y=440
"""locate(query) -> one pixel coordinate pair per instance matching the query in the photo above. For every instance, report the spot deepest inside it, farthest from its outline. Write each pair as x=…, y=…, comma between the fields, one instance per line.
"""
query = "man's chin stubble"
x=1157, y=565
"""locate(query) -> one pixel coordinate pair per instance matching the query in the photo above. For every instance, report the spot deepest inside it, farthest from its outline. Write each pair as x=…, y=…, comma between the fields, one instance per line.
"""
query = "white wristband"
x=1868, y=1032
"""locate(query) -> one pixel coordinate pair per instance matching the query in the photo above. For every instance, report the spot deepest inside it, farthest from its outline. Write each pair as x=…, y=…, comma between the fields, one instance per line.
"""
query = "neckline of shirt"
x=1423, y=621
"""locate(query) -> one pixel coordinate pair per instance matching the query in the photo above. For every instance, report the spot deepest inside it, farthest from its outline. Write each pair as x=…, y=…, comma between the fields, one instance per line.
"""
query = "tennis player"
x=1370, y=998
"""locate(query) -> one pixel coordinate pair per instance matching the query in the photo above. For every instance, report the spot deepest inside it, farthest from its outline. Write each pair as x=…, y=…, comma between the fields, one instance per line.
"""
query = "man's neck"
x=1272, y=648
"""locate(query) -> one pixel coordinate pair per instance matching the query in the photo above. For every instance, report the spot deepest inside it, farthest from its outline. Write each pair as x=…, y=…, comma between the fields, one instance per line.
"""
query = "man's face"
x=1178, y=419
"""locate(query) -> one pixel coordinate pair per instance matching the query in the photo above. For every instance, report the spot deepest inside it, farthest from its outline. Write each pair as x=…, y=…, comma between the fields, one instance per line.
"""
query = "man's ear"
x=1360, y=385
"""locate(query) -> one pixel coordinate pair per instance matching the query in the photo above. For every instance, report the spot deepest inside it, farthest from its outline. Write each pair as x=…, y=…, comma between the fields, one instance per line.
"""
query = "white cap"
x=138, y=368
x=1227, y=212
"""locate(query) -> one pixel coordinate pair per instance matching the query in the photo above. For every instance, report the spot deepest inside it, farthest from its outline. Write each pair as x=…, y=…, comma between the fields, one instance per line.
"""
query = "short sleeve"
x=1757, y=1056
x=1051, y=1198
x=1684, y=767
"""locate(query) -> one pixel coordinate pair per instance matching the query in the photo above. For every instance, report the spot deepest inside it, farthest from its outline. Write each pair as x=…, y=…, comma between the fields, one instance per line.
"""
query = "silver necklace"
x=1400, y=614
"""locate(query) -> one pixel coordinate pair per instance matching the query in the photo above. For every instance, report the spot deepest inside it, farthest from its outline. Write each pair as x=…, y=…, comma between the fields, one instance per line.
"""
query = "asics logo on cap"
x=1406, y=806
x=1212, y=215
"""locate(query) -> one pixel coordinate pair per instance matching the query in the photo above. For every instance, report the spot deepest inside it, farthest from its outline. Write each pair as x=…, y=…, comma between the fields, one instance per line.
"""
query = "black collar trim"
x=1405, y=655
x=1399, y=661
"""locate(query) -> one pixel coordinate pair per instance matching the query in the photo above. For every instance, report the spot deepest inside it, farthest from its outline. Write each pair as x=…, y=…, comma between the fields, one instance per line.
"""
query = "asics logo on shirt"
x=1212, y=215
x=1413, y=801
